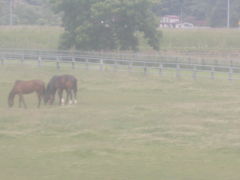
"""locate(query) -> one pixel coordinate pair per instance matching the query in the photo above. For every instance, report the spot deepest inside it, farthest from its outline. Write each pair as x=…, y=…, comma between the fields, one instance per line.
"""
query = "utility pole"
x=10, y=12
x=181, y=11
x=228, y=13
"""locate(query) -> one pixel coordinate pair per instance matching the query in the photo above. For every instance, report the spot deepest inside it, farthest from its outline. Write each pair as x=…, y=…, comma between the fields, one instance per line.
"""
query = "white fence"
x=126, y=62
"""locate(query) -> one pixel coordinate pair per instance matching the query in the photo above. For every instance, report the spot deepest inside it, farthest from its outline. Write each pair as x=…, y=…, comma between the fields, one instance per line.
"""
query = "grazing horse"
x=59, y=84
x=26, y=87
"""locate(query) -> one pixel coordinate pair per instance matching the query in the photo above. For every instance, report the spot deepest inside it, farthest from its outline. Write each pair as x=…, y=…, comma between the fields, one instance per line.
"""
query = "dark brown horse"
x=26, y=87
x=59, y=84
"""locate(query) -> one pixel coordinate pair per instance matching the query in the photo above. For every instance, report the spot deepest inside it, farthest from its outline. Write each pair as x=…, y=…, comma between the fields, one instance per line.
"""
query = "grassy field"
x=44, y=37
x=30, y=37
x=201, y=39
x=125, y=127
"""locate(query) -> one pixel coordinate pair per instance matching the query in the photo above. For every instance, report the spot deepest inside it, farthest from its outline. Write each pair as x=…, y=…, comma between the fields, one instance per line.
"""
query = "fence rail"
x=123, y=62
x=199, y=58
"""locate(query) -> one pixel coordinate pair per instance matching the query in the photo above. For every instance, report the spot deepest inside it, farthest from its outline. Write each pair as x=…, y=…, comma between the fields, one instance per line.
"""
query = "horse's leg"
x=52, y=97
x=25, y=106
x=40, y=94
x=75, y=96
x=39, y=99
x=60, y=94
x=23, y=101
x=19, y=101
x=71, y=96
x=68, y=93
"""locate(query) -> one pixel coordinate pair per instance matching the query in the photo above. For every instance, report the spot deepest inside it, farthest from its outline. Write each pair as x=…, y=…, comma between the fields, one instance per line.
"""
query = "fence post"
x=230, y=74
x=73, y=63
x=161, y=69
x=145, y=69
x=39, y=61
x=58, y=63
x=129, y=66
x=212, y=72
x=87, y=64
x=2, y=61
x=22, y=59
x=115, y=66
x=194, y=73
x=178, y=68
x=101, y=65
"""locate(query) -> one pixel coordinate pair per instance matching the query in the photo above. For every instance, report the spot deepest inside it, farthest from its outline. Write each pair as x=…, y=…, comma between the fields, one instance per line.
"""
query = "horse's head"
x=10, y=103
x=48, y=98
x=50, y=91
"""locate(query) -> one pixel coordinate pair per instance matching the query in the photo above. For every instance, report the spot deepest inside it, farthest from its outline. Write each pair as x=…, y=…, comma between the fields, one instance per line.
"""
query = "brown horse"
x=26, y=87
x=59, y=84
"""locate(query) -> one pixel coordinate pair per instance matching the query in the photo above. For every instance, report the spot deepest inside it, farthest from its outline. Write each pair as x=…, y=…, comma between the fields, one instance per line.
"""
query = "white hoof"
x=70, y=102
x=75, y=101
x=62, y=101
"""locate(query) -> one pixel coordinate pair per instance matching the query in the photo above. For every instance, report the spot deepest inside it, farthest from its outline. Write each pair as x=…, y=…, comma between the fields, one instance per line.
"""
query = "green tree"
x=235, y=13
x=218, y=16
x=107, y=24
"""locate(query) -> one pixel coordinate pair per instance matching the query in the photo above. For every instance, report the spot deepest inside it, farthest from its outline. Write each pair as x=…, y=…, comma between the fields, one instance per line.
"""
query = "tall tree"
x=107, y=24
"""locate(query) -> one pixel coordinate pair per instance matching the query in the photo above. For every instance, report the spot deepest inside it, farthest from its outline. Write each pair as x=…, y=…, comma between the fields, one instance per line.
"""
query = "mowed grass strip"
x=125, y=126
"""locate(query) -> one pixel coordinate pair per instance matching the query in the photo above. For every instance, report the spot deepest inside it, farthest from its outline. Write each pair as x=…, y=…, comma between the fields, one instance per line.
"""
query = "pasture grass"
x=201, y=39
x=125, y=126
x=30, y=37
x=47, y=37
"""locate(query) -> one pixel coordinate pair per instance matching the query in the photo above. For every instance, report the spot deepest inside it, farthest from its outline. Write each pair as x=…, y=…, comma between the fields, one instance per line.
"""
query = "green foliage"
x=107, y=24
x=219, y=11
